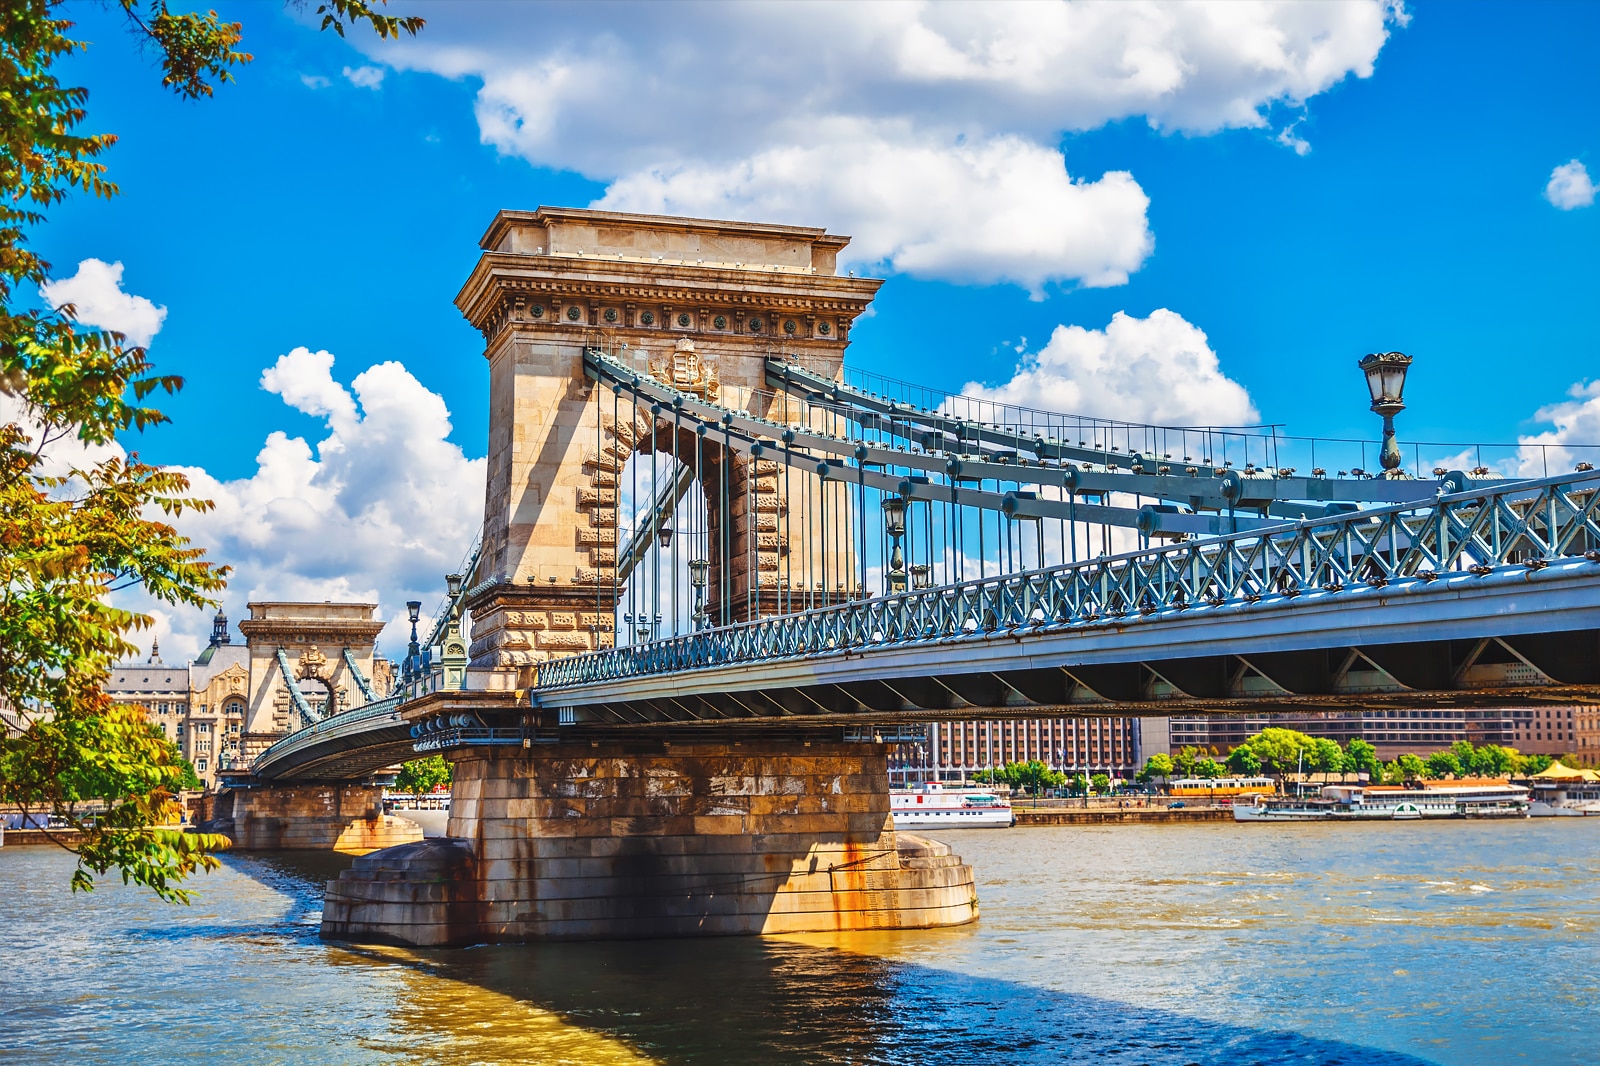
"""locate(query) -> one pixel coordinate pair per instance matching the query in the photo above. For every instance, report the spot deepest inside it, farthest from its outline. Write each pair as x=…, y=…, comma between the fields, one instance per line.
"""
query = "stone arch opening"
x=319, y=693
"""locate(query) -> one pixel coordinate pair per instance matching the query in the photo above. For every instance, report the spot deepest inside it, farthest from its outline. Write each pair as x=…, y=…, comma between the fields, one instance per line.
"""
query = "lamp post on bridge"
x=413, y=650
x=894, y=523
x=1386, y=381
x=698, y=571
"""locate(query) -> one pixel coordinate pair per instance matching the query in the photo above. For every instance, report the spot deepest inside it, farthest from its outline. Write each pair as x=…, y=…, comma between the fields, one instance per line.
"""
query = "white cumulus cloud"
x=1570, y=187
x=997, y=210
x=1159, y=370
x=378, y=510
x=929, y=131
x=95, y=292
x=364, y=77
x=1574, y=435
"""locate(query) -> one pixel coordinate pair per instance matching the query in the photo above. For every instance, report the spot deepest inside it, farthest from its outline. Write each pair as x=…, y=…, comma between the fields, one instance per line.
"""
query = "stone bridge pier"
x=555, y=834
x=617, y=839
x=347, y=818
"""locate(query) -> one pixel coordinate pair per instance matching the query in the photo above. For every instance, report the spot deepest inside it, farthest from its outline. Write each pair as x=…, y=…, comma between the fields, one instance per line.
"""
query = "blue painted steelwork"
x=307, y=715
x=361, y=681
x=867, y=464
x=1524, y=525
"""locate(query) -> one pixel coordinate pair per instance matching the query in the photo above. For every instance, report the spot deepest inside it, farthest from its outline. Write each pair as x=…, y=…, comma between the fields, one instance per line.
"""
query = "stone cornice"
x=353, y=633
x=506, y=220
x=595, y=281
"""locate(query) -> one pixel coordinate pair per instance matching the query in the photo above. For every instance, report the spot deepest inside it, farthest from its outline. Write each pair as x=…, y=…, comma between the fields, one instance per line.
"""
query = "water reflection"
x=741, y=1000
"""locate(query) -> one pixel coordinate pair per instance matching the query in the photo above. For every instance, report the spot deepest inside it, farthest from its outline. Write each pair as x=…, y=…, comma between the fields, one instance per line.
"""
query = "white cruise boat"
x=1360, y=803
x=1562, y=792
x=1564, y=799
x=932, y=806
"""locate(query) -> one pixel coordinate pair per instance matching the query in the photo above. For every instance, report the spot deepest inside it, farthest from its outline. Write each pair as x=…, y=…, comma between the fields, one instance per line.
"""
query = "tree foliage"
x=1360, y=757
x=1281, y=750
x=1183, y=762
x=1442, y=764
x=72, y=536
x=1157, y=765
x=424, y=775
x=1019, y=775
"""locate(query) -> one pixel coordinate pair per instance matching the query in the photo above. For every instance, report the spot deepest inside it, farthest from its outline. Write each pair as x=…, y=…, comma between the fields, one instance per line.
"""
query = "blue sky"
x=298, y=208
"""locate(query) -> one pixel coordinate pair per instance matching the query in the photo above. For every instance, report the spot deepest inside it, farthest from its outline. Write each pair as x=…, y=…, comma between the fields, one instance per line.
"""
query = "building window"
x=200, y=766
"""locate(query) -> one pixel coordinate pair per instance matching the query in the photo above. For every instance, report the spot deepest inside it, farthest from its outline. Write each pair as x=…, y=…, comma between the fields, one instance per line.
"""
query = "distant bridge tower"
x=328, y=651
x=696, y=303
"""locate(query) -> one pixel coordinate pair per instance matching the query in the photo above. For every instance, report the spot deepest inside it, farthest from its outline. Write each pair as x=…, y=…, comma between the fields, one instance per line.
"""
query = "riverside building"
x=1546, y=731
x=952, y=751
x=234, y=700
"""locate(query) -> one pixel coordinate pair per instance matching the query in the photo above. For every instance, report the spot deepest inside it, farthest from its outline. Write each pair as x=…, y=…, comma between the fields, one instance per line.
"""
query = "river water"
x=1453, y=943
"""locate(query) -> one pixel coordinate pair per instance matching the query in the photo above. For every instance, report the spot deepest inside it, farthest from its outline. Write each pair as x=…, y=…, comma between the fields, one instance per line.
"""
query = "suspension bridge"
x=719, y=574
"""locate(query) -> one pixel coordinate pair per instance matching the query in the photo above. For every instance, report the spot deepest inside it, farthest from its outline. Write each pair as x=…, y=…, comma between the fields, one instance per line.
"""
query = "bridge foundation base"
x=606, y=841
x=343, y=818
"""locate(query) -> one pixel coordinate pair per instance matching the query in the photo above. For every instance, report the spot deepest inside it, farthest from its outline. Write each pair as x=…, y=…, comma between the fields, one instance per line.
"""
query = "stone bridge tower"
x=699, y=304
x=319, y=643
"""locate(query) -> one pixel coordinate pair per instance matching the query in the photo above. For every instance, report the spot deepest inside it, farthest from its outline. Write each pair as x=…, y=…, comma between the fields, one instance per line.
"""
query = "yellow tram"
x=1222, y=786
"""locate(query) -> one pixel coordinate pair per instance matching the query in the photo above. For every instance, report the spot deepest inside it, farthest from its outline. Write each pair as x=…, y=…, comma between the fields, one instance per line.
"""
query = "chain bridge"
x=720, y=573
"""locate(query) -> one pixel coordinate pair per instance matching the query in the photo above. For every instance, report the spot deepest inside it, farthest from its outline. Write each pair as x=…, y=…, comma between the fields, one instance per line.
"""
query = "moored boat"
x=1344, y=803
x=1562, y=792
x=933, y=806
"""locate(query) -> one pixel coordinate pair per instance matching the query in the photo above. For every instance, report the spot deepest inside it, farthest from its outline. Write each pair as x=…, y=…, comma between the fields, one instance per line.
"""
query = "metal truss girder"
x=1300, y=672
x=1118, y=682
x=767, y=701
x=1205, y=677
x=920, y=692
x=875, y=695
x=976, y=689
x=1432, y=665
x=1324, y=571
x=1046, y=685
x=1566, y=658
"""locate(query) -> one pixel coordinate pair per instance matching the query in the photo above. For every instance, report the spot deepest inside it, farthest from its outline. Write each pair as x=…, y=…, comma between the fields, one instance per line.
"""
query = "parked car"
x=1175, y=806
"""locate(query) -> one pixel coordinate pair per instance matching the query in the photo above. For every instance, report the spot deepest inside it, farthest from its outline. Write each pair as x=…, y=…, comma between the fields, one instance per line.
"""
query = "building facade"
x=234, y=700
x=953, y=751
x=1586, y=734
x=1541, y=731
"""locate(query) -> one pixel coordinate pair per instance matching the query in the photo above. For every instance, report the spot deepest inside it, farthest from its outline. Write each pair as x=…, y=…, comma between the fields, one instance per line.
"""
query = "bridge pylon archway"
x=698, y=304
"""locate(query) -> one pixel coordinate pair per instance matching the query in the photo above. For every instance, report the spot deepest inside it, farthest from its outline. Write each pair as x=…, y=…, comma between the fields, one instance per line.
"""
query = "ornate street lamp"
x=413, y=650
x=921, y=576
x=665, y=533
x=1386, y=381
x=894, y=523
x=452, y=583
x=698, y=569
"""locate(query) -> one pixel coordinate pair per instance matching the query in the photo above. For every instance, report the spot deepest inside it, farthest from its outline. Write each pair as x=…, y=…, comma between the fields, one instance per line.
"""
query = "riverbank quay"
x=23, y=838
x=1045, y=816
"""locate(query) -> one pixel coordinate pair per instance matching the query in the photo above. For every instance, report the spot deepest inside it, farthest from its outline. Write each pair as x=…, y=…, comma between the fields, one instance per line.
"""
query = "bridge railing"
x=1527, y=523
x=382, y=708
x=334, y=722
